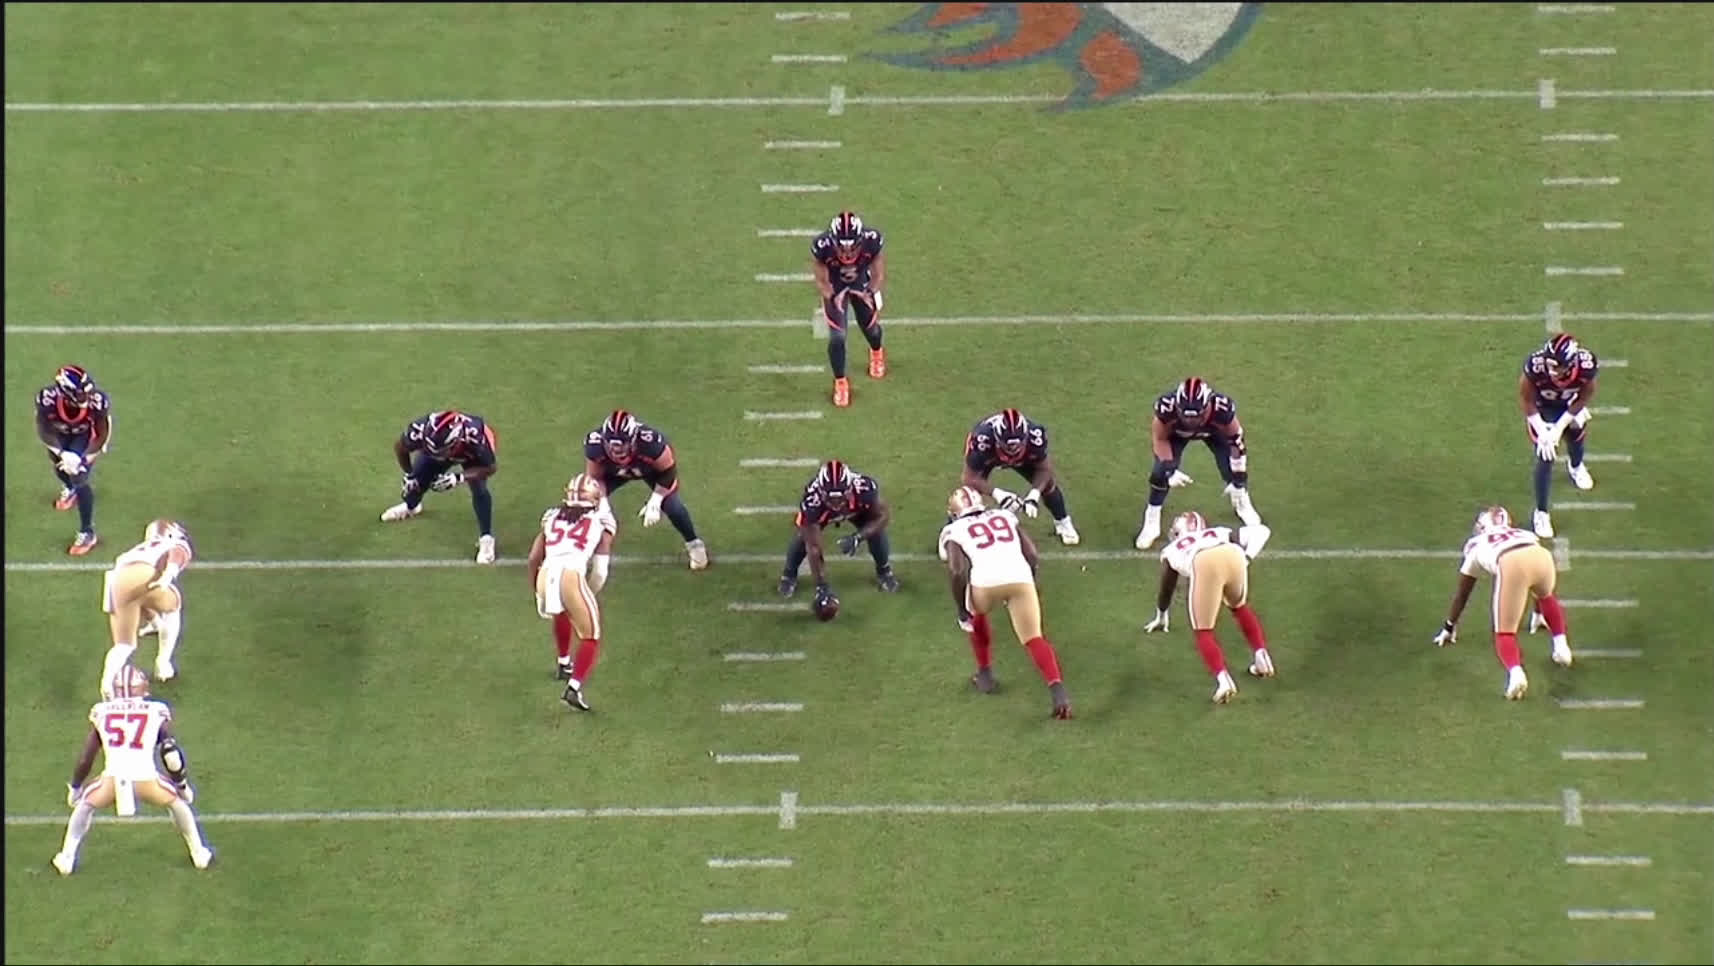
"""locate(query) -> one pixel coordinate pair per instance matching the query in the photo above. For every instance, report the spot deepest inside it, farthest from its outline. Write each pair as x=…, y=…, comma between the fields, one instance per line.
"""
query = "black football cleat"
x=886, y=581
x=574, y=696
x=788, y=584
x=983, y=681
x=1061, y=701
x=562, y=670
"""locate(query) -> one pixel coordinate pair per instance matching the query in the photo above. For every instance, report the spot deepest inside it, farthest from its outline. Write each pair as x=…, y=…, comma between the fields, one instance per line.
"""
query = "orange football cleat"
x=67, y=500
x=84, y=543
x=878, y=363
x=841, y=392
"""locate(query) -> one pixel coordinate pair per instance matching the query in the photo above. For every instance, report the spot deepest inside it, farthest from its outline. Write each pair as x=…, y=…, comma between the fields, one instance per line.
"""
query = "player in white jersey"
x=992, y=562
x=1216, y=561
x=568, y=567
x=1522, y=568
x=144, y=584
x=130, y=730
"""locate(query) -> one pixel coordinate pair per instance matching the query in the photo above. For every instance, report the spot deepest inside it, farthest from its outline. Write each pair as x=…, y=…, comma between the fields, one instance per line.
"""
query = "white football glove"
x=72, y=792
x=1546, y=448
x=70, y=462
x=1581, y=417
x=447, y=480
x=1178, y=479
x=965, y=624
x=1006, y=499
x=1448, y=635
x=1032, y=503
x=651, y=512
x=1160, y=623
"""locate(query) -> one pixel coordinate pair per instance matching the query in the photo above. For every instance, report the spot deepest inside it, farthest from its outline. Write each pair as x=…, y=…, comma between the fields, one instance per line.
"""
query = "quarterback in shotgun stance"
x=850, y=270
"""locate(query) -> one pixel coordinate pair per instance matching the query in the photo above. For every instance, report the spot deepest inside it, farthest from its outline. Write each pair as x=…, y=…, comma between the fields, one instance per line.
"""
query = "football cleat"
x=788, y=584
x=1262, y=665
x=485, y=549
x=1517, y=684
x=1580, y=477
x=164, y=670
x=1067, y=533
x=202, y=857
x=399, y=511
x=877, y=363
x=67, y=499
x=698, y=554
x=562, y=669
x=1562, y=654
x=1537, y=622
x=1151, y=530
x=841, y=393
x=64, y=863
x=573, y=695
x=886, y=581
x=1225, y=689
x=1061, y=701
x=1543, y=524
x=83, y=543
x=983, y=681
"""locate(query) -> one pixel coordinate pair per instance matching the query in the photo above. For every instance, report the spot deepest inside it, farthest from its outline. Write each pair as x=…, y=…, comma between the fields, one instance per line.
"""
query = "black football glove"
x=848, y=544
x=408, y=487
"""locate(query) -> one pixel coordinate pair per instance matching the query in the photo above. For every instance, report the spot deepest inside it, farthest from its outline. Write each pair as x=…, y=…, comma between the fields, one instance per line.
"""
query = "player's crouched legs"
x=880, y=548
x=679, y=516
x=482, y=502
x=795, y=554
x=1160, y=478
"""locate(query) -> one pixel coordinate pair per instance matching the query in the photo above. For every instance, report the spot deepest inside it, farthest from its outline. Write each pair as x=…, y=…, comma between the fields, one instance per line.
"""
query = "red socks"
x=1210, y=649
x=1552, y=613
x=1506, y=646
x=1047, y=662
x=587, y=652
x=562, y=634
x=981, y=641
x=1251, y=625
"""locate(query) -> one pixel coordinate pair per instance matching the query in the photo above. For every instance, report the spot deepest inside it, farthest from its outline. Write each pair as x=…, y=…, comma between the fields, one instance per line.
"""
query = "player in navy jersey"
x=624, y=448
x=1194, y=411
x=1009, y=440
x=1555, y=389
x=74, y=420
x=440, y=451
x=850, y=271
x=838, y=495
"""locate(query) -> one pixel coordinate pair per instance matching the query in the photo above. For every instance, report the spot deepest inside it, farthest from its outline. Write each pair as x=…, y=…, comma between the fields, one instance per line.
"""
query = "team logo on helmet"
x=1188, y=522
x=1115, y=51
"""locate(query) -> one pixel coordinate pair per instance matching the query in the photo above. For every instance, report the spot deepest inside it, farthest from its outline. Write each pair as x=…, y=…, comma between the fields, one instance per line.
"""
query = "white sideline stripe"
x=1578, y=51
x=765, y=758
x=798, y=189
x=783, y=370
x=787, y=232
x=794, y=16
x=765, y=656
x=430, y=563
x=1610, y=652
x=1553, y=316
x=906, y=808
x=1582, y=225
x=1562, y=553
x=718, y=917
x=1571, y=807
x=1610, y=410
x=1607, y=458
x=718, y=863
x=761, y=707
x=1577, y=182
x=793, y=414
x=788, y=810
x=764, y=606
x=1571, y=754
x=784, y=277
x=1586, y=270
x=1631, y=915
x=1304, y=318
x=1602, y=603
x=1632, y=860
x=930, y=100
x=1546, y=97
x=810, y=58
x=751, y=511
x=804, y=461
x=1574, y=8
x=1616, y=363
x=802, y=145
x=1581, y=137
x=1601, y=704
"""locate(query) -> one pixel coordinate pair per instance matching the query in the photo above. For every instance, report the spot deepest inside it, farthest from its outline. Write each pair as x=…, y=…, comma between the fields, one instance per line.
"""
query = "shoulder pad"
x=45, y=398
x=1164, y=405
x=821, y=243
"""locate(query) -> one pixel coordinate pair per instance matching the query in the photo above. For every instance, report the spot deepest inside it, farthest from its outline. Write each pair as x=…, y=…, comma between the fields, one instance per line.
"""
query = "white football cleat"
x=399, y=511
x=1580, y=477
x=147, y=627
x=1240, y=498
x=1151, y=528
x=1262, y=666
x=485, y=549
x=1225, y=689
x=1517, y=684
x=164, y=671
x=201, y=857
x=64, y=863
x=1543, y=524
x=1067, y=532
x=698, y=554
x=1562, y=654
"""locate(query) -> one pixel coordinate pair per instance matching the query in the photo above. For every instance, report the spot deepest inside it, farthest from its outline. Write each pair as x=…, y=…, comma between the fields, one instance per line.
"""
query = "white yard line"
x=1553, y=316
x=798, y=189
x=1601, y=704
x=1582, y=225
x=1547, y=96
x=1120, y=556
x=1580, y=137
x=1601, y=181
x=1629, y=915
x=795, y=414
x=787, y=232
x=1637, y=861
x=1610, y=410
x=1575, y=8
x=1602, y=271
x=1608, y=603
x=1198, y=807
x=758, y=758
x=474, y=325
x=1574, y=754
x=723, y=917
x=1594, y=505
x=810, y=58
x=836, y=100
x=788, y=145
x=772, y=656
x=756, y=511
x=1578, y=51
x=761, y=707
x=764, y=606
x=799, y=16
x=769, y=463
x=724, y=863
x=823, y=102
x=805, y=369
x=1616, y=653
x=1562, y=553
x=1615, y=363
x=784, y=277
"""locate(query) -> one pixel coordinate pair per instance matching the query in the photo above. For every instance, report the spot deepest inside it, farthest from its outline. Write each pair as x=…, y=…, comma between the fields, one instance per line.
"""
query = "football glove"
x=651, y=512
x=1032, y=503
x=1160, y=623
x=1546, y=448
x=1448, y=635
x=408, y=487
x=447, y=480
x=70, y=462
x=1581, y=417
x=848, y=544
x=1178, y=479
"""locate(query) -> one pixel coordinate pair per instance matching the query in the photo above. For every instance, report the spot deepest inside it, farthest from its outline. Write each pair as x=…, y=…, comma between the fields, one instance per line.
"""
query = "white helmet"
x=1493, y=518
x=1187, y=522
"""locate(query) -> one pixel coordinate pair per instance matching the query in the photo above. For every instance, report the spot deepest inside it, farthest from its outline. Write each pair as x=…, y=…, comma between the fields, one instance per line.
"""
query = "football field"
x=276, y=234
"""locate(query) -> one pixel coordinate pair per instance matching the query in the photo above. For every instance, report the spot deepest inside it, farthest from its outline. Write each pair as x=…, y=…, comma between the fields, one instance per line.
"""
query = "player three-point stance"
x=1216, y=561
x=1193, y=410
x=1522, y=569
x=1007, y=439
x=143, y=584
x=440, y=451
x=130, y=730
x=850, y=270
x=568, y=566
x=992, y=563
x=1554, y=389
x=74, y=420
x=624, y=448
x=838, y=494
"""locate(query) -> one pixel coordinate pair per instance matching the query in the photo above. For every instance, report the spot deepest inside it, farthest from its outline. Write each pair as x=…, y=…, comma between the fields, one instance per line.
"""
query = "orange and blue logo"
x=1114, y=51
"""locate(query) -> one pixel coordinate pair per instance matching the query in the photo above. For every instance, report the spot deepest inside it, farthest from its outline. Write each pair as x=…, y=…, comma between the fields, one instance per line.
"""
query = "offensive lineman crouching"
x=624, y=448
x=450, y=448
x=992, y=562
x=1008, y=439
x=838, y=494
x=1195, y=411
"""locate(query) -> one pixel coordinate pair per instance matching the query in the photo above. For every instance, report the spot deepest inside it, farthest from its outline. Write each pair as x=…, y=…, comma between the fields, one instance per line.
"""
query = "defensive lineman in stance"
x=1216, y=561
x=1522, y=569
x=144, y=583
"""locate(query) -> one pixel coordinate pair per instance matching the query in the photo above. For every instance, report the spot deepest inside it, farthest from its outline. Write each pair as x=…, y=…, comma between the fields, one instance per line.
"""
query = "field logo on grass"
x=1116, y=51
